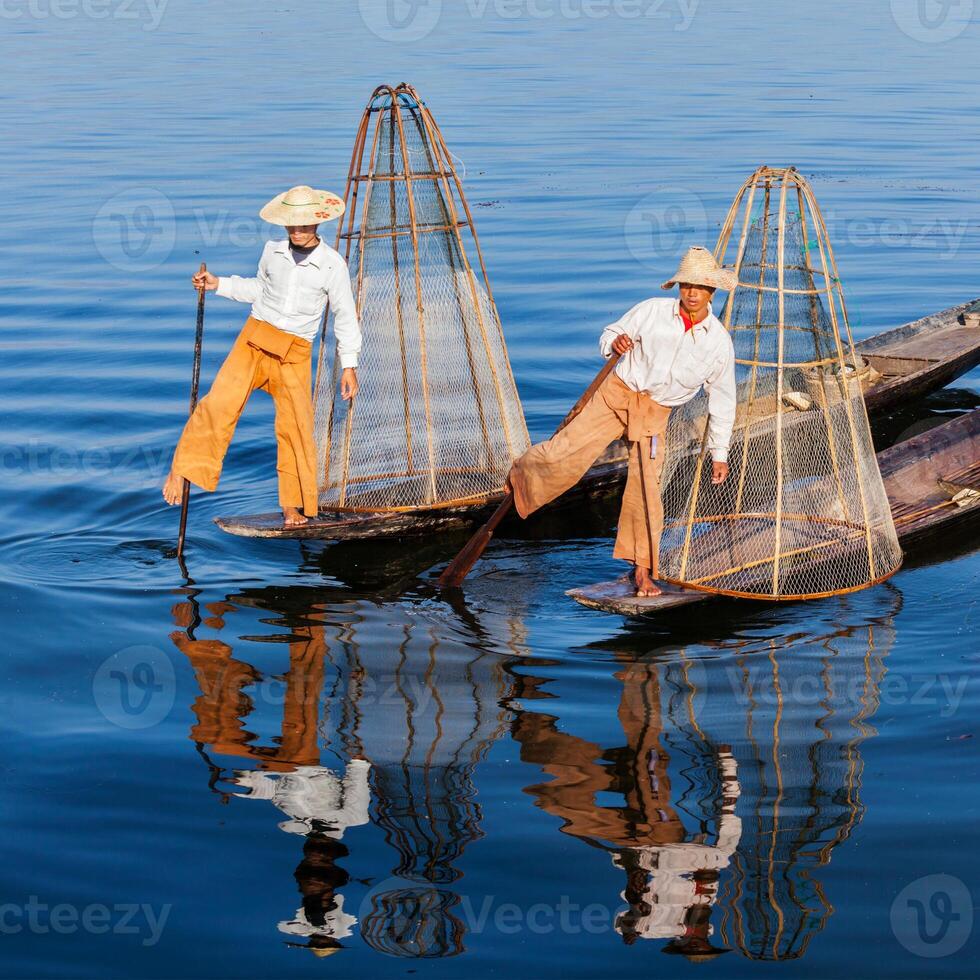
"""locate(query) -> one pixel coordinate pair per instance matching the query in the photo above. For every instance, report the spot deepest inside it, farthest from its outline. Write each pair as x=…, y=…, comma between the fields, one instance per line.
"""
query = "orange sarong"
x=270, y=359
x=550, y=468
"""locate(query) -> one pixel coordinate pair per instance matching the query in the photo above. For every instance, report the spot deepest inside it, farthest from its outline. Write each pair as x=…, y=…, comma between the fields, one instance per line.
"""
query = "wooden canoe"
x=922, y=477
x=911, y=360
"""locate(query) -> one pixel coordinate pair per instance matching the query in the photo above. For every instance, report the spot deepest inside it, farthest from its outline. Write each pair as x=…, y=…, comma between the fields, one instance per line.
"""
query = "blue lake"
x=306, y=750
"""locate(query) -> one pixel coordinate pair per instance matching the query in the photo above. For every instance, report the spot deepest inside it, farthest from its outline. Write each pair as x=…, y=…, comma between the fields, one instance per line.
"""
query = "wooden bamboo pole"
x=723, y=239
x=753, y=381
x=779, y=390
x=400, y=231
x=423, y=352
x=185, y=496
x=399, y=319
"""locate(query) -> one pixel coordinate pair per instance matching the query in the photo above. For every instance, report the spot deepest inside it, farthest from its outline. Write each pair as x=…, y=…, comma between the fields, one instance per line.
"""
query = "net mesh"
x=438, y=419
x=804, y=511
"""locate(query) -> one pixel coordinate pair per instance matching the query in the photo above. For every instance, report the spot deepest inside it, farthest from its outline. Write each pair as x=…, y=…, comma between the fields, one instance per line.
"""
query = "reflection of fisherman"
x=671, y=876
x=671, y=888
x=320, y=805
x=314, y=798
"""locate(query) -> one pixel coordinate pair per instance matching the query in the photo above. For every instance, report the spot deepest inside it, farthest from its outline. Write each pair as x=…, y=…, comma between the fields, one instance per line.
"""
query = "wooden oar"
x=195, y=381
x=462, y=564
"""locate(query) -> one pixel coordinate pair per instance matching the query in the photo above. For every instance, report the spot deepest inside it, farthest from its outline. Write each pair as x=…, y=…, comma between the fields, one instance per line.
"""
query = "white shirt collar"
x=315, y=258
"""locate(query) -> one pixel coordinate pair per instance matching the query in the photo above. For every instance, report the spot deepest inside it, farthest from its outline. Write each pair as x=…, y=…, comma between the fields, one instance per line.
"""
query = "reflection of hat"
x=303, y=206
x=319, y=946
x=695, y=948
x=699, y=268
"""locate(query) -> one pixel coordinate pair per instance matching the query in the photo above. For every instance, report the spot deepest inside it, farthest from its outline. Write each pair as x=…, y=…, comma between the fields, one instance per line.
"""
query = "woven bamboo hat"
x=699, y=268
x=303, y=206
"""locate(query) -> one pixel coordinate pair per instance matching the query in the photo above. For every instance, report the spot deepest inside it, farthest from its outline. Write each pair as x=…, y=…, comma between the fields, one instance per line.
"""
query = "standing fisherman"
x=670, y=350
x=297, y=278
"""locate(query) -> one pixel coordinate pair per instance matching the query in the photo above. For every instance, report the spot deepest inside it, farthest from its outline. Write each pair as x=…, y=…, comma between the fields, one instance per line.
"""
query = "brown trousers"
x=550, y=468
x=285, y=375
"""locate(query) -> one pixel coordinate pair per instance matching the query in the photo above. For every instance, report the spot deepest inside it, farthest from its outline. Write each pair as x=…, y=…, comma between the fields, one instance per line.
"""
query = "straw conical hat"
x=303, y=206
x=699, y=268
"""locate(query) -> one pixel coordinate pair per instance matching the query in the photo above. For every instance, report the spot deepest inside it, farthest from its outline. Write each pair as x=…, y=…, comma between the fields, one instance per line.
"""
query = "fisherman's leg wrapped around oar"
x=550, y=468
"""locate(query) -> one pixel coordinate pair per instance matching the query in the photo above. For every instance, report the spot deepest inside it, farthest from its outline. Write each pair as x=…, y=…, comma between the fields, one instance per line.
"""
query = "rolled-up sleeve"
x=346, y=328
x=628, y=324
x=241, y=288
x=721, y=405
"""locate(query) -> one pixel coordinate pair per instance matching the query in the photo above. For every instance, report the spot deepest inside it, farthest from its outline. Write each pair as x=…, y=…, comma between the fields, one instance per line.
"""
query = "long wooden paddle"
x=195, y=381
x=462, y=564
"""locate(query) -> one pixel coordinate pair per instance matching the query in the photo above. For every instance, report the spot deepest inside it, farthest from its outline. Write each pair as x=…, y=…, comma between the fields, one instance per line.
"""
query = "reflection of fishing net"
x=800, y=768
x=416, y=922
x=804, y=512
x=428, y=717
x=438, y=419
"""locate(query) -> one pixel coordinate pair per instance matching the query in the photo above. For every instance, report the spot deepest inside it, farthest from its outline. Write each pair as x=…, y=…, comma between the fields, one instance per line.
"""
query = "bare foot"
x=173, y=489
x=291, y=517
x=646, y=588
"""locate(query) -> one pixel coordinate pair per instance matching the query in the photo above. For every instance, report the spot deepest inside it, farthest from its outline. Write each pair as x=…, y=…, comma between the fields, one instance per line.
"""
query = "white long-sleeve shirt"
x=313, y=797
x=292, y=295
x=672, y=366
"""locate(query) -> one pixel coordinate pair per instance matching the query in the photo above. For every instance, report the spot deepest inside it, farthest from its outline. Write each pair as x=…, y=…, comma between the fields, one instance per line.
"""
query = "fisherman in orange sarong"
x=297, y=277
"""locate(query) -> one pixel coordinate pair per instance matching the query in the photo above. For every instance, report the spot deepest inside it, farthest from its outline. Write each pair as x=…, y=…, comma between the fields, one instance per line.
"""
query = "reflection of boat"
x=908, y=361
x=734, y=781
x=928, y=479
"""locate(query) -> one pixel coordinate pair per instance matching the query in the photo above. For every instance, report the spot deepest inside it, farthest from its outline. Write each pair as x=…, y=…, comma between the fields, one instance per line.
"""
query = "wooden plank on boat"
x=914, y=359
x=344, y=526
x=620, y=597
x=921, y=356
x=920, y=476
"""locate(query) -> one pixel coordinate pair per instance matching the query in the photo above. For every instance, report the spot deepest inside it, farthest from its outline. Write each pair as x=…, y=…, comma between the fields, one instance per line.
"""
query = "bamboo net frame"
x=438, y=420
x=804, y=512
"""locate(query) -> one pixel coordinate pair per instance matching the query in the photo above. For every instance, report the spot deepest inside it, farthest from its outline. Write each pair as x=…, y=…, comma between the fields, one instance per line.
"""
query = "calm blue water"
x=307, y=746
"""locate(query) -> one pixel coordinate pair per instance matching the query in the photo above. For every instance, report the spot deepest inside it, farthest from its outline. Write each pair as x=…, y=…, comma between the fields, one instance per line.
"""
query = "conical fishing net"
x=804, y=512
x=438, y=420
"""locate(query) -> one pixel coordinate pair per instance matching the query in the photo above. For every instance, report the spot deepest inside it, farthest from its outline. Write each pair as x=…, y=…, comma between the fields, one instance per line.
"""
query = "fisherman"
x=669, y=350
x=297, y=278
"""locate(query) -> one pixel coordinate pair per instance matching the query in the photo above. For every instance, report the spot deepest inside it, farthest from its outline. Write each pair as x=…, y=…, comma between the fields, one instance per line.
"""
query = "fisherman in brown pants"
x=296, y=280
x=669, y=350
